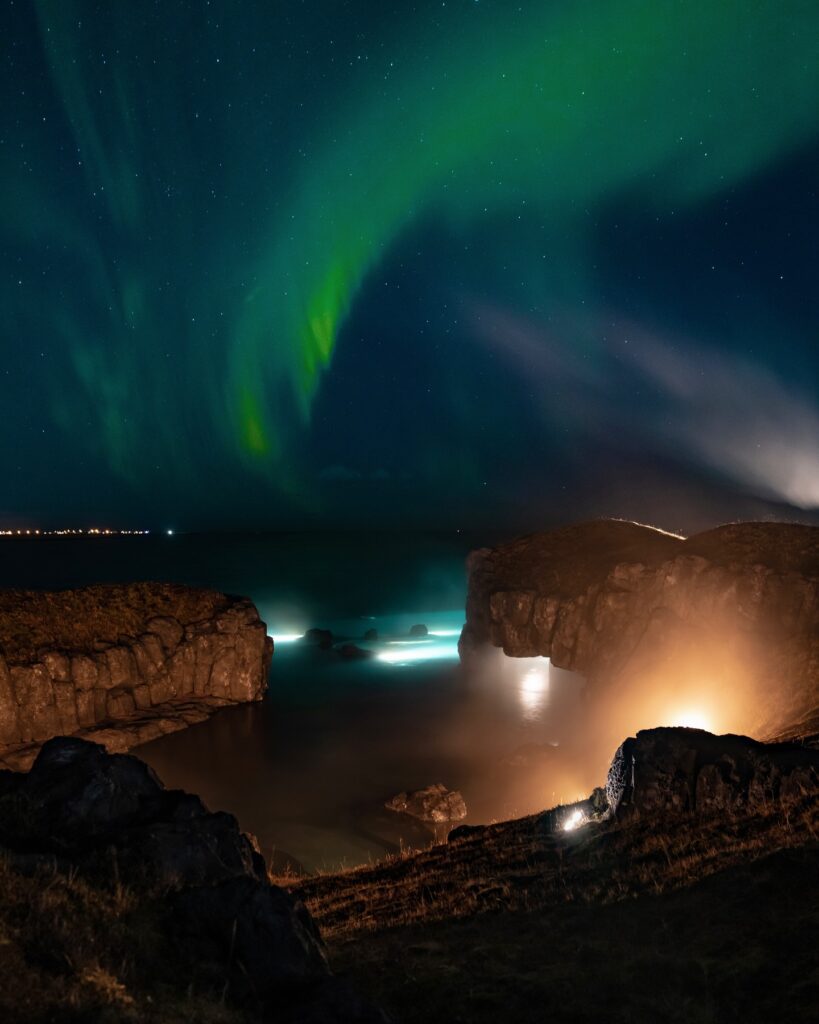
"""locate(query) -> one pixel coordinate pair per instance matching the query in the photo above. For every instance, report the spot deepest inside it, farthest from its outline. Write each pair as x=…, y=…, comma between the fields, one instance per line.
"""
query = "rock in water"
x=435, y=803
x=419, y=629
x=352, y=652
x=683, y=771
x=321, y=638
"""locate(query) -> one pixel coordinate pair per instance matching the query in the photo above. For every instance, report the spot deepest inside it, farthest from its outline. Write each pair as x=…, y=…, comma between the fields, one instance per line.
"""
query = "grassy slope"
x=72, y=952
x=695, y=922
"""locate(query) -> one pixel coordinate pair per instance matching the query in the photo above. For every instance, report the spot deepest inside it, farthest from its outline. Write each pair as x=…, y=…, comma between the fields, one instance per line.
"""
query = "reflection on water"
x=533, y=686
x=308, y=770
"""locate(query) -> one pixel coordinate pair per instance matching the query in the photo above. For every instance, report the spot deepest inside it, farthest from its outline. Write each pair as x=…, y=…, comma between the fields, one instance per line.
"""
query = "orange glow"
x=692, y=718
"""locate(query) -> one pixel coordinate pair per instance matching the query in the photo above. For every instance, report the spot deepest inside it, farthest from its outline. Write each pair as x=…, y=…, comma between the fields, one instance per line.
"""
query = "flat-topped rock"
x=122, y=664
x=733, y=611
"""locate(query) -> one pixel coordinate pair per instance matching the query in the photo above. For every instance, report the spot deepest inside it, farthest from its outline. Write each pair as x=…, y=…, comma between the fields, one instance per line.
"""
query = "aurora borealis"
x=431, y=264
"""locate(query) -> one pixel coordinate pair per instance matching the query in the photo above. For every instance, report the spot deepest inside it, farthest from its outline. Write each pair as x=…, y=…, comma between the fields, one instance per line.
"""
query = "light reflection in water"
x=419, y=650
x=533, y=686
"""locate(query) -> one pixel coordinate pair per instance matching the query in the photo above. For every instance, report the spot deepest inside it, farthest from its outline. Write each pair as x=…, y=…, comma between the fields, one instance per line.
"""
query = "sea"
x=308, y=770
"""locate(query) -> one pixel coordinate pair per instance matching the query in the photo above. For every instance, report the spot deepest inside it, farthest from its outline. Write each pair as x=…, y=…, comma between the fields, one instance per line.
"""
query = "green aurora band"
x=551, y=113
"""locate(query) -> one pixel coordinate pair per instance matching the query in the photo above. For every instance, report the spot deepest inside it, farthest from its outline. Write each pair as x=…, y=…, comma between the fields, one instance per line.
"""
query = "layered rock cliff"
x=730, y=615
x=122, y=664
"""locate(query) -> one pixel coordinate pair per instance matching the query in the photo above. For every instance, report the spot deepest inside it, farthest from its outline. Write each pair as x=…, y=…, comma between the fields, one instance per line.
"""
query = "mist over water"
x=309, y=768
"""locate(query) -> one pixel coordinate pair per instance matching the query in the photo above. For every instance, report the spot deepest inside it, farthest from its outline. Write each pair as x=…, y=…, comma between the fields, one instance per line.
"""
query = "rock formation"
x=689, y=771
x=732, y=612
x=434, y=803
x=194, y=879
x=122, y=664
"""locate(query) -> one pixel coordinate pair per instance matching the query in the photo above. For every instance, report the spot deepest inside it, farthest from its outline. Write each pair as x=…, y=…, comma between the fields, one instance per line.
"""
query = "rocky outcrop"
x=689, y=771
x=122, y=664
x=199, y=882
x=434, y=803
x=734, y=610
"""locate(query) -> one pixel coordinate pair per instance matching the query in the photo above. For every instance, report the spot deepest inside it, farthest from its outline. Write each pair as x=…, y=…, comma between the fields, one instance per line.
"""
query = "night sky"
x=469, y=264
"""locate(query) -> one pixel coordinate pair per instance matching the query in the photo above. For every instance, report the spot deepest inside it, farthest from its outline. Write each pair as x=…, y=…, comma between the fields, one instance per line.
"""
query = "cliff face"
x=123, y=664
x=733, y=612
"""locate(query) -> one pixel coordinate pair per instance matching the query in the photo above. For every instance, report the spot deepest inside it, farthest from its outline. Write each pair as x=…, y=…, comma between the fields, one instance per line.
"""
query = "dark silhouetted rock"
x=352, y=652
x=122, y=664
x=419, y=630
x=464, y=832
x=321, y=638
x=636, y=610
x=267, y=937
x=192, y=873
x=435, y=803
x=684, y=771
x=370, y=636
x=99, y=809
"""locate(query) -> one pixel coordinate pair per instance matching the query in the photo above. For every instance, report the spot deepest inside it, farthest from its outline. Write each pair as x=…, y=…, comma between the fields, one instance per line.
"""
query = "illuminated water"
x=308, y=769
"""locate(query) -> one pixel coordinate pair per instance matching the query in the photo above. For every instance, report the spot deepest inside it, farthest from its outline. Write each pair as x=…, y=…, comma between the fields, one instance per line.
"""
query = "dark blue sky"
x=433, y=265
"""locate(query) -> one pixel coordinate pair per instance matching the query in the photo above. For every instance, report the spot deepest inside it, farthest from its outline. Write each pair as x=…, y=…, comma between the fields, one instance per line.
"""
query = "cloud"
x=658, y=391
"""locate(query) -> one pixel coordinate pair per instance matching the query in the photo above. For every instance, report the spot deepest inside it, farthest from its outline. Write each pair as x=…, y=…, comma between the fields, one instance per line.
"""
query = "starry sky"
x=462, y=264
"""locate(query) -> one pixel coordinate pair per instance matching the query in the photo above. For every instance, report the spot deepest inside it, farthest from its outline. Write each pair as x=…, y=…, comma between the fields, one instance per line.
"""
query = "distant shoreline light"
x=75, y=532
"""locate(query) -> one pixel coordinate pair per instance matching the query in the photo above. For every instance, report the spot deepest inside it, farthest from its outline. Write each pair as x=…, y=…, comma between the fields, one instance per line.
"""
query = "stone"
x=169, y=631
x=370, y=636
x=322, y=638
x=434, y=803
x=112, y=659
x=352, y=652
x=267, y=936
x=109, y=820
x=677, y=771
x=419, y=629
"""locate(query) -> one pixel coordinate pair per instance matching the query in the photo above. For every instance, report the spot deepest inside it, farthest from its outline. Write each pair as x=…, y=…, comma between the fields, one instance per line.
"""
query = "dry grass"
x=519, y=865
x=694, y=922
x=76, y=620
x=73, y=952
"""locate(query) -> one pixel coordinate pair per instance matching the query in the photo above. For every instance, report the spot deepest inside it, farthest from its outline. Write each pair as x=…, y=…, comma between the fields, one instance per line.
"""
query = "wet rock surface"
x=122, y=664
x=689, y=771
x=192, y=872
x=433, y=803
x=632, y=608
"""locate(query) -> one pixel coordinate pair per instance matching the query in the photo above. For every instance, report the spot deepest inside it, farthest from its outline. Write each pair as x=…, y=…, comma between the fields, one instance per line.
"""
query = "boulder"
x=352, y=652
x=676, y=771
x=370, y=636
x=321, y=638
x=419, y=629
x=265, y=936
x=434, y=803
x=193, y=874
x=80, y=802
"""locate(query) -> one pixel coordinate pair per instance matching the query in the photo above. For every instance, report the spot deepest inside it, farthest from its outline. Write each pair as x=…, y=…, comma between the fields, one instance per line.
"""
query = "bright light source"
x=285, y=638
x=445, y=632
x=169, y=533
x=692, y=718
x=573, y=821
